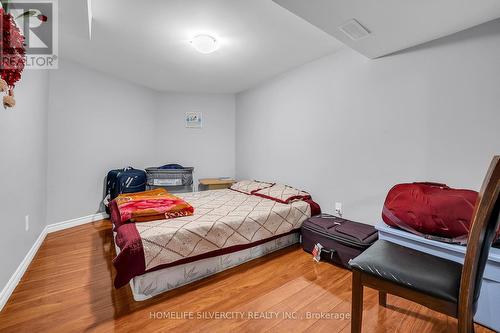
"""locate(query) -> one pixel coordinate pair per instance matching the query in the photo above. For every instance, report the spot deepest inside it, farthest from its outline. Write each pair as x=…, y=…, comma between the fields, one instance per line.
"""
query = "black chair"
x=439, y=284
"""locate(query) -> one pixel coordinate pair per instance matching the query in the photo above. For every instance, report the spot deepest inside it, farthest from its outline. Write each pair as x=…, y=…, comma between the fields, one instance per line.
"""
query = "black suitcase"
x=126, y=180
x=339, y=240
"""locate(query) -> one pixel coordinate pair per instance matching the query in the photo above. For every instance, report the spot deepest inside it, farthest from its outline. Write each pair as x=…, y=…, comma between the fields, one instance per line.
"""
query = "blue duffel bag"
x=171, y=167
x=126, y=180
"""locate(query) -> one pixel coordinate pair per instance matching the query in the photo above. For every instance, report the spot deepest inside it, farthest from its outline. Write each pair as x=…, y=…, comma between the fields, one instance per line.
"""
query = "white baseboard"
x=76, y=222
x=21, y=269
x=23, y=266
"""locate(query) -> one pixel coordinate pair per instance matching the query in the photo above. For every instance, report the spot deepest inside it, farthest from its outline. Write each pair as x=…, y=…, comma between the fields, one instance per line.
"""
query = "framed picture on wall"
x=194, y=119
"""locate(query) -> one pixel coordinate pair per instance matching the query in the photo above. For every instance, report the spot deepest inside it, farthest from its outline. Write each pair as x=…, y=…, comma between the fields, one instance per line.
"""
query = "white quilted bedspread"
x=222, y=218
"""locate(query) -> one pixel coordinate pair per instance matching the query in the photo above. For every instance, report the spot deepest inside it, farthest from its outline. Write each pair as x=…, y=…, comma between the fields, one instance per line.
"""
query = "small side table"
x=215, y=183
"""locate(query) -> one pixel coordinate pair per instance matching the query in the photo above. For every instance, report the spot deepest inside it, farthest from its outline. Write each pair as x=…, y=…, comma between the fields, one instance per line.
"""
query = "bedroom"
x=285, y=97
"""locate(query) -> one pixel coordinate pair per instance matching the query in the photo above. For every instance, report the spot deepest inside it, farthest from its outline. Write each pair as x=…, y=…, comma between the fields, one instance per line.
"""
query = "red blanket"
x=151, y=205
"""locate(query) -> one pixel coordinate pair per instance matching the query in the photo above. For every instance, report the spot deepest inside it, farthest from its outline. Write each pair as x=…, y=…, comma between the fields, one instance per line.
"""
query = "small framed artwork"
x=194, y=119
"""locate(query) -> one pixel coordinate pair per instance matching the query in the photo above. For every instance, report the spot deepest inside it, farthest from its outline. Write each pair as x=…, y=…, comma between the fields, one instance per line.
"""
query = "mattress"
x=225, y=221
x=156, y=282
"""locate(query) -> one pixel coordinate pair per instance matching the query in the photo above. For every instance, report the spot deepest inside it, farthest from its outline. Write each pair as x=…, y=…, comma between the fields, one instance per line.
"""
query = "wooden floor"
x=68, y=288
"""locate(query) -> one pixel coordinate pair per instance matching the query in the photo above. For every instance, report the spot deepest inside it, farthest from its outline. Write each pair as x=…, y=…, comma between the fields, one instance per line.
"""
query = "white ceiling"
x=147, y=41
x=394, y=24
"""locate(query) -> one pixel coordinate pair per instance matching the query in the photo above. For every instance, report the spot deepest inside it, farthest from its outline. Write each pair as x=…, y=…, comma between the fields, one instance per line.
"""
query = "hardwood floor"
x=68, y=288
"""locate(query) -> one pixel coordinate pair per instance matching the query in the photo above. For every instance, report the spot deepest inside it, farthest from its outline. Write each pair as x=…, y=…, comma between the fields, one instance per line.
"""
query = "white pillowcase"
x=282, y=193
x=249, y=186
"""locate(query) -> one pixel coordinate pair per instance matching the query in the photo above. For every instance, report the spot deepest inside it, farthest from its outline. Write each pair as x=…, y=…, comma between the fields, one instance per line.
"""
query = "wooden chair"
x=439, y=284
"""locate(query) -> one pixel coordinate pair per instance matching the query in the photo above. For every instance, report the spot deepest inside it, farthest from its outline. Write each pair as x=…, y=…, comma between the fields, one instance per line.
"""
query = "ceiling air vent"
x=354, y=30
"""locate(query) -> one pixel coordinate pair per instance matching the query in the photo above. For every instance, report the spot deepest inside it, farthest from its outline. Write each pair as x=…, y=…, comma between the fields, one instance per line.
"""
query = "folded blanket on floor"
x=151, y=205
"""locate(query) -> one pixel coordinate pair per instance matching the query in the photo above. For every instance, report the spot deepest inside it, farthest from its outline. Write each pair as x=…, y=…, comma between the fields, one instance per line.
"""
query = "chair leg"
x=465, y=326
x=357, y=302
x=382, y=298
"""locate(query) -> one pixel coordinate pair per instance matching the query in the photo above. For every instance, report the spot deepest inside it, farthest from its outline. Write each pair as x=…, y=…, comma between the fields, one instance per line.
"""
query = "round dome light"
x=204, y=44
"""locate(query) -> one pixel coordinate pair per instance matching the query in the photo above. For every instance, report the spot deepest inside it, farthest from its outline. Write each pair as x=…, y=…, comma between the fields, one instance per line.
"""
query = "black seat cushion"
x=412, y=269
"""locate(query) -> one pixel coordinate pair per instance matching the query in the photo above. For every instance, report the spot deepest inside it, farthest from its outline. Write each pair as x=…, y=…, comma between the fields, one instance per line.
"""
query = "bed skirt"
x=156, y=282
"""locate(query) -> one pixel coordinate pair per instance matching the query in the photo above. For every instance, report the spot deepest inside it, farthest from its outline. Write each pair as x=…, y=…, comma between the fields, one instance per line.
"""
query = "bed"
x=228, y=227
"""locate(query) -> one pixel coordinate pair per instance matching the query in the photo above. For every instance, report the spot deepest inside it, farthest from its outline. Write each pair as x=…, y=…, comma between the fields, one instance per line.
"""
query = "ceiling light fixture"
x=204, y=44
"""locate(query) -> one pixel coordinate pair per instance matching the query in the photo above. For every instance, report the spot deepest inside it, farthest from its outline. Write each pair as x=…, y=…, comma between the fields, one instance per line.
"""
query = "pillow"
x=249, y=186
x=282, y=193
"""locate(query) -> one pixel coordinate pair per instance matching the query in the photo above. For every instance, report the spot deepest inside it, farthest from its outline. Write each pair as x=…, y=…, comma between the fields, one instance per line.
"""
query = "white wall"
x=97, y=123
x=347, y=128
x=23, y=142
x=211, y=149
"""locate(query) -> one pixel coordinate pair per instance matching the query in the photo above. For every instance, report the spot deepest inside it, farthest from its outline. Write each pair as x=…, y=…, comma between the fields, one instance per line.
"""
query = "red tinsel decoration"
x=12, y=50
